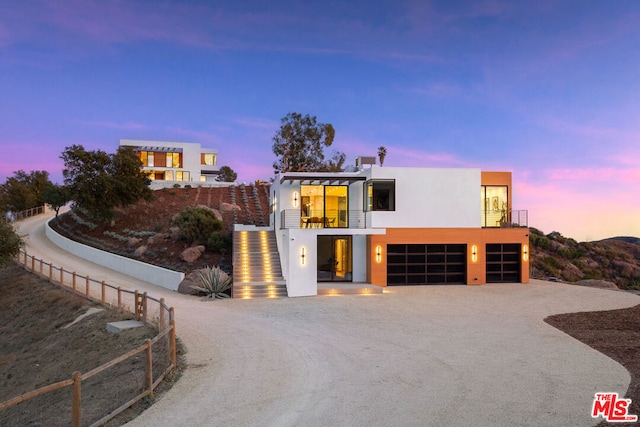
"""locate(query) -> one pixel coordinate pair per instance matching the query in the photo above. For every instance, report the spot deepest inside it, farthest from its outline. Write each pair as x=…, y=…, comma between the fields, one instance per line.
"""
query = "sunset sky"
x=549, y=90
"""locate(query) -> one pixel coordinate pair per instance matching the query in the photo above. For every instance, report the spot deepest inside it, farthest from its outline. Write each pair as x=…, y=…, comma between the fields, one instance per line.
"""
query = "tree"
x=382, y=153
x=56, y=196
x=299, y=145
x=226, y=175
x=23, y=191
x=99, y=182
x=10, y=243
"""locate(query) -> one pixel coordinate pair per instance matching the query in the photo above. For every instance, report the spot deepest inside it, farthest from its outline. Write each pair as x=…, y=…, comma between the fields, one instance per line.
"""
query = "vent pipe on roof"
x=365, y=161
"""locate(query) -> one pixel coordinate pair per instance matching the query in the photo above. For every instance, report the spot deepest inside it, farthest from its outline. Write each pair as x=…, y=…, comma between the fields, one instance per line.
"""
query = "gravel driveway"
x=432, y=355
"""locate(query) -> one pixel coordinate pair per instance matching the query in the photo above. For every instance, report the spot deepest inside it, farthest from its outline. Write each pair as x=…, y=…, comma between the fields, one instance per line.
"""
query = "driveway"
x=432, y=355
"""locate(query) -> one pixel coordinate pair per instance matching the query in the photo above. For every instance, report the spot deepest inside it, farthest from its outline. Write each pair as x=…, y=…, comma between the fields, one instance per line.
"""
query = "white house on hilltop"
x=175, y=161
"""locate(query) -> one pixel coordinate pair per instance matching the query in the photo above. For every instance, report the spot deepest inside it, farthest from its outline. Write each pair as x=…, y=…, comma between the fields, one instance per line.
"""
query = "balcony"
x=292, y=218
x=506, y=219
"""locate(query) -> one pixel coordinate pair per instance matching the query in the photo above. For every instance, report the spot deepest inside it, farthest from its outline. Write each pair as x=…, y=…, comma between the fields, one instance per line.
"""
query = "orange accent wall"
x=476, y=271
x=498, y=178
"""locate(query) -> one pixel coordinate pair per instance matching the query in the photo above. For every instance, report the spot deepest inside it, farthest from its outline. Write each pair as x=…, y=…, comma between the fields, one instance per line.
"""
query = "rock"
x=201, y=248
x=190, y=280
x=191, y=254
x=156, y=238
x=140, y=251
x=228, y=207
x=174, y=233
x=601, y=284
x=133, y=241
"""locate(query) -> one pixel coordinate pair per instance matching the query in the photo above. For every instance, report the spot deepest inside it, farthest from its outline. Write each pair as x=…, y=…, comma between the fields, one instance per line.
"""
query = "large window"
x=324, y=206
x=380, y=195
x=494, y=205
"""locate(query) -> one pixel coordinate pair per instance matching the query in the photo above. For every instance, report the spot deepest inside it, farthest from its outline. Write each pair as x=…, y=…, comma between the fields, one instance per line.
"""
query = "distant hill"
x=616, y=259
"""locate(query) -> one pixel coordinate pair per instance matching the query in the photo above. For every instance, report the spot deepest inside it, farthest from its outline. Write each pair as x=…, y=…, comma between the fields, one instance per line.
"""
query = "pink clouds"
x=582, y=204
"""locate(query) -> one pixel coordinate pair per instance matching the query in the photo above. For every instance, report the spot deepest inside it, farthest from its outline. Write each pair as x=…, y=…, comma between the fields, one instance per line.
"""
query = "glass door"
x=334, y=259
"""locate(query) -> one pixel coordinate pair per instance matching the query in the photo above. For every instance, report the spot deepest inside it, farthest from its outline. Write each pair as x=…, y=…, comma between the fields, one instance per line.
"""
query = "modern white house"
x=181, y=162
x=389, y=226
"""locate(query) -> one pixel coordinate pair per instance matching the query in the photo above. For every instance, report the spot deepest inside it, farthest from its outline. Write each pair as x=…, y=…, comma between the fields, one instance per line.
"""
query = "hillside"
x=615, y=259
x=145, y=231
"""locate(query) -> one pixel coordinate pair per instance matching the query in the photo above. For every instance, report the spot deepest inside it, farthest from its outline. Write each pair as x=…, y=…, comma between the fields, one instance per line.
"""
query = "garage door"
x=503, y=263
x=426, y=264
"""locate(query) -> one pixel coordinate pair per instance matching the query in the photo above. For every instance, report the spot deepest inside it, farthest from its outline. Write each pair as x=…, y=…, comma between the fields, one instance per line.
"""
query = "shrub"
x=217, y=241
x=214, y=283
x=197, y=224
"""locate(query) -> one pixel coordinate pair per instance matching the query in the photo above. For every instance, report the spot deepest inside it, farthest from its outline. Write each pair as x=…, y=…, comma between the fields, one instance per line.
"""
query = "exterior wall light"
x=474, y=253
x=525, y=252
x=378, y=254
x=303, y=255
x=295, y=199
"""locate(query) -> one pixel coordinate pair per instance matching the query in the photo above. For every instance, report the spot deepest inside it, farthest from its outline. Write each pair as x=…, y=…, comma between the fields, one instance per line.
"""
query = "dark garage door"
x=503, y=263
x=426, y=264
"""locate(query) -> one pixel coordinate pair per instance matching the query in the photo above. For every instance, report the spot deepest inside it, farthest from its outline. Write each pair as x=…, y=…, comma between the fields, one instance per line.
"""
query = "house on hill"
x=390, y=226
x=181, y=162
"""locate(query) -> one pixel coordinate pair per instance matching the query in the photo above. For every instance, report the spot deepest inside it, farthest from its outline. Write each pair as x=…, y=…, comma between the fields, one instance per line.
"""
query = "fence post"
x=144, y=307
x=86, y=288
x=50, y=273
x=104, y=292
x=137, y=304
x=25, y=259
x=73, y=285
x=33, y=263
x=61, y=276
x=161, y=326
x=149, y=369
x=77, y=399
x=119, y=297
x=172, y=338
x=41, y=262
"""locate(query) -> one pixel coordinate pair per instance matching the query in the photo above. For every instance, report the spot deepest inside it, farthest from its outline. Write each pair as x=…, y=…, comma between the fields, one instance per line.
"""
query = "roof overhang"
x=156, y=149
x=322, y=179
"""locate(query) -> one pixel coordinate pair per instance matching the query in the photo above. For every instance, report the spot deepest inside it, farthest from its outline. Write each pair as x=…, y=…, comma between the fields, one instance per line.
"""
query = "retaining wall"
x=149, y=273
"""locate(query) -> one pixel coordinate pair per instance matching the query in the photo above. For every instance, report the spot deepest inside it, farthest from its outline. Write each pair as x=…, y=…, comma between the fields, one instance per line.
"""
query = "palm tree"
x=382, y=153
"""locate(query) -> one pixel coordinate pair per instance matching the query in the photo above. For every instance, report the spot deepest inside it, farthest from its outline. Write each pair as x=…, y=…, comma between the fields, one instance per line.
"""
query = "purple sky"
x=549, y=90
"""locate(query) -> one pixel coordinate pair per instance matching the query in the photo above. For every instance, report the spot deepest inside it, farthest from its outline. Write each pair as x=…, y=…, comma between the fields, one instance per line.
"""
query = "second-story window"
x=380, y=195
x=208, y=159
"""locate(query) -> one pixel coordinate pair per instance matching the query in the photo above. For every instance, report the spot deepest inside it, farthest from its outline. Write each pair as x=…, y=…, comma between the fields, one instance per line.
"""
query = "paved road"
x=436, y=355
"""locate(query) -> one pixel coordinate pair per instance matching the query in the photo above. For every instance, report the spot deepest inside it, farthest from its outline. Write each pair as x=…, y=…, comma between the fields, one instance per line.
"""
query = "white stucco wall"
x=430, y=198
x=149, y=273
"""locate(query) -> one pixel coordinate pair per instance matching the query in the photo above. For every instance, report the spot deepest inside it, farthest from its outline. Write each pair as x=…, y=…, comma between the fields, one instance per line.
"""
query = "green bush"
x=197, y=224
x=218, y=242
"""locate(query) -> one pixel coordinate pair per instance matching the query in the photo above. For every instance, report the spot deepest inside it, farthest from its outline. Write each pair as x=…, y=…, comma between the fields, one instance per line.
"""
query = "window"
x=173, y=160
x=150, y=161
x=380, y=195
x=182, y=176
x=208, y=159
x=494, y=205
x=143, y=158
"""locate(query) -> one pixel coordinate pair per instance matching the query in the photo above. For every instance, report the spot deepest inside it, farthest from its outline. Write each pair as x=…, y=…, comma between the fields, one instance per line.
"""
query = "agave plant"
x=214, y=283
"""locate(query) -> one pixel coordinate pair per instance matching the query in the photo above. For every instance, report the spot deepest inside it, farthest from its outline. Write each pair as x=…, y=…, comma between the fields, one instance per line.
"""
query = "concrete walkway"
x=436, y=355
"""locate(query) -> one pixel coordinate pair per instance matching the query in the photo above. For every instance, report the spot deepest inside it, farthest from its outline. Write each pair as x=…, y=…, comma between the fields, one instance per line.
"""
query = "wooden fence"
x=16, y=216
x=41, y=407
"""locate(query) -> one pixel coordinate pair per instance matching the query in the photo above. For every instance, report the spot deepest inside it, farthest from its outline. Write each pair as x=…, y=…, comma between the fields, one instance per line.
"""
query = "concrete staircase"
x=256, y=265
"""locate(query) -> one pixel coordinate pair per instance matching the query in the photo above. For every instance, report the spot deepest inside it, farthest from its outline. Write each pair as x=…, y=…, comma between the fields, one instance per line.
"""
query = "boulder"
x=157, y=238
x=228, y=207
x=133, y=241
x=139, y=251
x=190, y=280
x=174, y=233
x=191, y=254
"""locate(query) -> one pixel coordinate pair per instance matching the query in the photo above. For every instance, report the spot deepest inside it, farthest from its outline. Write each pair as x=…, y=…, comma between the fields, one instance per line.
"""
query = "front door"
x=334, y=259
